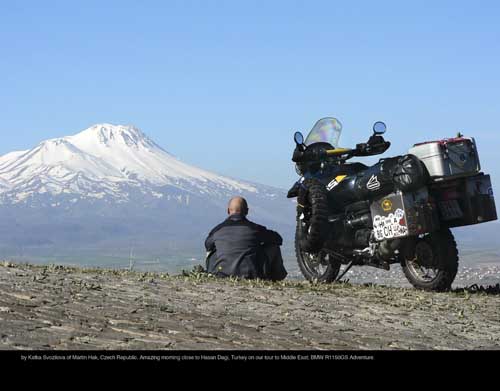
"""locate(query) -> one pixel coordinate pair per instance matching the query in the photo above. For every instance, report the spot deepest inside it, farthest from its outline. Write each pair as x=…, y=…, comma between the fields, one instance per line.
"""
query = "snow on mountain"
x=130, y=150
x=102, y=161
x=10, y=157
x=4, y=184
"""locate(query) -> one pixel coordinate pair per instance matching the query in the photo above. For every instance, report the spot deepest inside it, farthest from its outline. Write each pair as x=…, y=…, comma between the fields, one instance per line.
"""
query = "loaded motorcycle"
x=399, y=210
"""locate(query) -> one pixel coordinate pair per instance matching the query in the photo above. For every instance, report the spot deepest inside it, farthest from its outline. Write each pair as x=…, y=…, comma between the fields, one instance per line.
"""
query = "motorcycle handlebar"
x=320, y=154
x=361, y=150
x=339, y=151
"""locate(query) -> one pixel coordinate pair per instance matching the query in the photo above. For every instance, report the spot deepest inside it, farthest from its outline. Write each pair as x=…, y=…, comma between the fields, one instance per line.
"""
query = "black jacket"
x=238, y=245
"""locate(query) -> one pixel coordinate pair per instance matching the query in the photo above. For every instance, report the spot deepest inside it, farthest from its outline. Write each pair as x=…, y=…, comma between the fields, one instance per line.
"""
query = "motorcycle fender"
x=294, y=191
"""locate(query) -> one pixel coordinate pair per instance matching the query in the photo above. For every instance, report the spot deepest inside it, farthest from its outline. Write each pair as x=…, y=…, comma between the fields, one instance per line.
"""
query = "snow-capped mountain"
x=111, y=187
x=100, y=162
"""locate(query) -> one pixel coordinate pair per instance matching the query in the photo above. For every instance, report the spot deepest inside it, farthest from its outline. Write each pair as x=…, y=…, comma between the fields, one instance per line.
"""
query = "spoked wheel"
x=434, y=264
x=319, y=267
x=312, y=230
x=422, y=266
x=315, y=266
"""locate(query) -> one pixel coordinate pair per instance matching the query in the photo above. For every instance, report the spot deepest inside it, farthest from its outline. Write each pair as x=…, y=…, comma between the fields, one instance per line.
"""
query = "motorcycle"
x=398, y=211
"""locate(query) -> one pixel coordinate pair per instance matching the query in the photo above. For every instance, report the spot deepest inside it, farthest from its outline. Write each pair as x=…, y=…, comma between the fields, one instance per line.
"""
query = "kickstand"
x=345, y=271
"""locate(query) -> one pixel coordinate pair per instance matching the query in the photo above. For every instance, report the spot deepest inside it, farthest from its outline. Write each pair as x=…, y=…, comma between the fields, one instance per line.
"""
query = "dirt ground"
x=60, y=308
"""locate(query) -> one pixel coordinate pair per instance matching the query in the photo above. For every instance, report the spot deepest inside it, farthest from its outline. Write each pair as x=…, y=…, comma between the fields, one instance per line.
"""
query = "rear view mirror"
x=299, y=138
x=379, y=127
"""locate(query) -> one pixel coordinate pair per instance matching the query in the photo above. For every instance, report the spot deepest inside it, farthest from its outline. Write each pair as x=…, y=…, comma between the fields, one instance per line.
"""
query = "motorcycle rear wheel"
x=434, y=265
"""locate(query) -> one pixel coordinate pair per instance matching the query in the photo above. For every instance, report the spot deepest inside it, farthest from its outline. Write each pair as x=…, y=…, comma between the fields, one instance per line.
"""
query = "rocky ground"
x=59, y=308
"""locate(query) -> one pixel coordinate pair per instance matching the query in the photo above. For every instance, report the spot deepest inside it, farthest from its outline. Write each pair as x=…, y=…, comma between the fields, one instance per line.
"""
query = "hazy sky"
x=224, y=84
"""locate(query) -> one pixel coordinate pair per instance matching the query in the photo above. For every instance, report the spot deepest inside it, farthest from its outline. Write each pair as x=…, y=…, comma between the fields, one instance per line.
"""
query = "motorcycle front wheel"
x=318, y=266
x=434, y=264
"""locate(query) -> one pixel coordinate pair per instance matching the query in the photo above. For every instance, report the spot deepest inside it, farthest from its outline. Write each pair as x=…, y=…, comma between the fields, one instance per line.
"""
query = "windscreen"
x=326, y=130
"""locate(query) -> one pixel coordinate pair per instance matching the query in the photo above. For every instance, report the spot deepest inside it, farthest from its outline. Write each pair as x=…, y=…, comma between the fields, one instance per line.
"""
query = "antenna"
x=131, y=261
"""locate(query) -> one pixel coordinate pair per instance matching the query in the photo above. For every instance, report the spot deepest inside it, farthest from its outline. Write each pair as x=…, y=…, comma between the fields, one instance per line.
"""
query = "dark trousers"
x=274, y=269
x=271, y=260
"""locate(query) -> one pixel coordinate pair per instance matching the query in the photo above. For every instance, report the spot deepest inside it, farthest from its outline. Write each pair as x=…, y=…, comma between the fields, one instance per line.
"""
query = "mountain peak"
x=107, y=134
x=117, y=129
x=111, y=160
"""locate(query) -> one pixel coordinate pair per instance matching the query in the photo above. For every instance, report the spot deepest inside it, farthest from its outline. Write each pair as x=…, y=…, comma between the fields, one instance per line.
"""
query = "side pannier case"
x=466, y=201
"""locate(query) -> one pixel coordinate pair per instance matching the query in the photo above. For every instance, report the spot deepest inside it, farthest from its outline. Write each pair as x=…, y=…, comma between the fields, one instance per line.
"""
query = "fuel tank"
x=350, y=183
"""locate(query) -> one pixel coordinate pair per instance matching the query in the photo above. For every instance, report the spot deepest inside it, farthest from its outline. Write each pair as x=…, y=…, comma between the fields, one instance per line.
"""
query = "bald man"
x=244, y=249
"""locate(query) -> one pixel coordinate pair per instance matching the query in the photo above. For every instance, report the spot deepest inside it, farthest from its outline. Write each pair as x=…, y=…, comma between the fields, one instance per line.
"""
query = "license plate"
x=450, y=210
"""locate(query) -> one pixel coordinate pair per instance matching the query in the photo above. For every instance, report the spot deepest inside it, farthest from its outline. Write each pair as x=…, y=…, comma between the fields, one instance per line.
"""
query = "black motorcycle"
x=399, y=210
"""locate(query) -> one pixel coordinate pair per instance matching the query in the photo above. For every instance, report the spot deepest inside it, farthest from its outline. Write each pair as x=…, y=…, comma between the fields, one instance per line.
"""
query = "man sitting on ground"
x=240, y=248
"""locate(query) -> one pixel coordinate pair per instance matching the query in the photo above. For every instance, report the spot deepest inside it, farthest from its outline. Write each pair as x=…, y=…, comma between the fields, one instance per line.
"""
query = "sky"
x=224, y=84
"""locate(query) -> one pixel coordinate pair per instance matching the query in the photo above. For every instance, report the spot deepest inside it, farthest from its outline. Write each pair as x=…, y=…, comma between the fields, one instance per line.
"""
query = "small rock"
x=166, y=309
x=22, y=297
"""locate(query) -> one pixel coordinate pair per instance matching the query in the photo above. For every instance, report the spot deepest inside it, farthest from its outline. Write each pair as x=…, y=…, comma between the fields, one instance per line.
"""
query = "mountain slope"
x=109, y=187
x=99, y=161
x=139, y=157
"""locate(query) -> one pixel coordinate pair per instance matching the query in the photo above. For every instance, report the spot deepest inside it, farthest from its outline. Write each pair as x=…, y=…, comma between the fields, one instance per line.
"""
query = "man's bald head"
x=237, y=205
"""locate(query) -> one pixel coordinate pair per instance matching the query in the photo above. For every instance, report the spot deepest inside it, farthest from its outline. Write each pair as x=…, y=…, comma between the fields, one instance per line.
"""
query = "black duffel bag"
x=408, y=172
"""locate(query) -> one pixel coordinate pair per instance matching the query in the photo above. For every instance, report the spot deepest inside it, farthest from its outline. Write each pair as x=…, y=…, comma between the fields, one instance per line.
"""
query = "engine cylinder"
x=362, y=221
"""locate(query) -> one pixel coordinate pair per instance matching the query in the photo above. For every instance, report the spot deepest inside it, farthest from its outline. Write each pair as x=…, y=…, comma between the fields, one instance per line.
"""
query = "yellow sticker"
x=387, y=205
x=335, y=182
